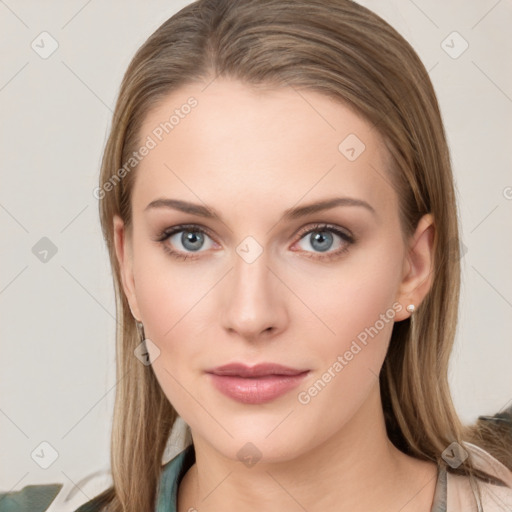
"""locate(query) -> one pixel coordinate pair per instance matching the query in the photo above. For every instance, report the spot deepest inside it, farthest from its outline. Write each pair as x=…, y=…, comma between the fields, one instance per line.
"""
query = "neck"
x=356, y=469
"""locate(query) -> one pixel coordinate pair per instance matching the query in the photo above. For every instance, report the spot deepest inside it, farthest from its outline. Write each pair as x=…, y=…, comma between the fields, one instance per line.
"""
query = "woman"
x=277, y=200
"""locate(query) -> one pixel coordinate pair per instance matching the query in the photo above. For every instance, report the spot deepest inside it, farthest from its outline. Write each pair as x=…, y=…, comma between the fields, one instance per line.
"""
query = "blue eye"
x=192, y=238
x=321, y=238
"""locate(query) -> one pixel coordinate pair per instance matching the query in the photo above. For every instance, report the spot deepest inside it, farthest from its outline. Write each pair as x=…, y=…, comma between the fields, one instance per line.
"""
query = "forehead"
x=228, y=141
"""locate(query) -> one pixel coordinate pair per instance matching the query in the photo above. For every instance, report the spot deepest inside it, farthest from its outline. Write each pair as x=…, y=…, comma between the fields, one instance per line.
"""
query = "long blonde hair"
x=345, y=51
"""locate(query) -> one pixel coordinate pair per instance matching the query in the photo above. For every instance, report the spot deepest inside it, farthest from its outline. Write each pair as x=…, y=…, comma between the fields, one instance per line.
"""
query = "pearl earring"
x=410, y=308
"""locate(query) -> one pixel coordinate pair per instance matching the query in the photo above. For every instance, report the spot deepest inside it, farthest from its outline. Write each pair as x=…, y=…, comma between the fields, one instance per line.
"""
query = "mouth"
x=257, y=384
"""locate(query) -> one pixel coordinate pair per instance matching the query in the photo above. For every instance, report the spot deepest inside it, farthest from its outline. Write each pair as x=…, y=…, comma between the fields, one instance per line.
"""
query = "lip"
x=258, y=370
x=255, y=384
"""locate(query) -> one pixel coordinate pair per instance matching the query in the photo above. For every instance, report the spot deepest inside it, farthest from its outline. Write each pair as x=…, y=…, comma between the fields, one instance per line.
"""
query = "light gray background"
x=57, y=354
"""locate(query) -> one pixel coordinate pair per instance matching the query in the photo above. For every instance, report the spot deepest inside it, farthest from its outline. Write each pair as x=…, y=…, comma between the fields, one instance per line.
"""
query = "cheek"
x=346, y=300
x=168, y=291
x=172, y=298
x=349, y=361
x=356, y=305
x=165, y=302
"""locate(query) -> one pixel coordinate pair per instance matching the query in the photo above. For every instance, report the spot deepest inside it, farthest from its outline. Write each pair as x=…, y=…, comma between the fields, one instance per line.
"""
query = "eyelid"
x=168, y=232
x=325, y=226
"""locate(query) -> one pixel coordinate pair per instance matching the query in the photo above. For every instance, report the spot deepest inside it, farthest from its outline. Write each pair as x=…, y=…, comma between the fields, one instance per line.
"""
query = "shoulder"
x=49, y=498
x=60, y=497
x=495, y=496
x=32, y=498
x=90, y=494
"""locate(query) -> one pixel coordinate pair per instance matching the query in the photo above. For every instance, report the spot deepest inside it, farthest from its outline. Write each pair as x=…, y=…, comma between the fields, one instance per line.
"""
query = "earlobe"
x=124, y=258
x=418, y=267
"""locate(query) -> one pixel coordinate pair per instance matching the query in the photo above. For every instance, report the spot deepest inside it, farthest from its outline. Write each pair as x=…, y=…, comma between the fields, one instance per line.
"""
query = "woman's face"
x=262, y=278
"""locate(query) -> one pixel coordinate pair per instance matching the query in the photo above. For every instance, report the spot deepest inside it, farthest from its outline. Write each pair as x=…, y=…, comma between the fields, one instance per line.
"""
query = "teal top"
x=172, y=474
x=38, y=498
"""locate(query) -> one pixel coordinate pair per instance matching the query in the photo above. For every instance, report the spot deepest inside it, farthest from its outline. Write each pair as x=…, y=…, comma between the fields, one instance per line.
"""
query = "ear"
x=123, y=246
x=418, y=267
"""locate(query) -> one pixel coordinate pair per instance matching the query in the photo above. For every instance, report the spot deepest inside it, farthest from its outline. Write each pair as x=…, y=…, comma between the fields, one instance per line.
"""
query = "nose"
x=253, y=302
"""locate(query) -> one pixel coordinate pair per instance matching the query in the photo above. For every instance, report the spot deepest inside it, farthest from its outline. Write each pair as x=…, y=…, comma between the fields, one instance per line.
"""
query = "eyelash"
x=168, y=232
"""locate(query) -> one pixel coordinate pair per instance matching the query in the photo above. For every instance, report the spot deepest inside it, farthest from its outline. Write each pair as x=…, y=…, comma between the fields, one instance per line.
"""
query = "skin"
x=251, y=155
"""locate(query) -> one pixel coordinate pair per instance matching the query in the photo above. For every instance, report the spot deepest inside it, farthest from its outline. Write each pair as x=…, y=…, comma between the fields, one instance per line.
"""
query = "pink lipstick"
x=255, y=384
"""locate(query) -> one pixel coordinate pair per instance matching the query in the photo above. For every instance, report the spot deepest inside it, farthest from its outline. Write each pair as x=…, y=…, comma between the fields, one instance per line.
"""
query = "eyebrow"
x=290, y=214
